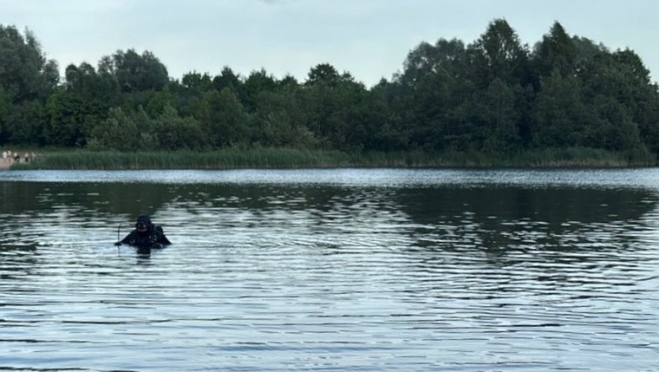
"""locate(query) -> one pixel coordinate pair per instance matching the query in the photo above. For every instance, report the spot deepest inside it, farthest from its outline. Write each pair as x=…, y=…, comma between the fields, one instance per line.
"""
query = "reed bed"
x=292, y=158
x=224, y=159
x=545, y=158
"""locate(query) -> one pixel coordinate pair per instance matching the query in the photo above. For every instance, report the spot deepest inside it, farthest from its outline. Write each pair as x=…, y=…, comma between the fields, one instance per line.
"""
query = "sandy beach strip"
x=4, y=165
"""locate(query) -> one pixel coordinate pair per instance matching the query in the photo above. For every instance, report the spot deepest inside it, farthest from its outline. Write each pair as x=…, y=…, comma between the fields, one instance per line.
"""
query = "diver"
x=145, y=235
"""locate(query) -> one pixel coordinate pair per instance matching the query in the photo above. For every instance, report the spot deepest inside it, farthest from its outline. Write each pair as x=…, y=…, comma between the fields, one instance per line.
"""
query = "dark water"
x=332, y=270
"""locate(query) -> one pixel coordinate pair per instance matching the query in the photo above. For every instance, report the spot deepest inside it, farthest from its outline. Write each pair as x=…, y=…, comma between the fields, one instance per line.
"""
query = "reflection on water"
x=366, y=270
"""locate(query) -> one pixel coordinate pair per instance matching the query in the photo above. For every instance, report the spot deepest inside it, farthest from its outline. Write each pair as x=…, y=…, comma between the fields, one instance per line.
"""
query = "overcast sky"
x=368, y=38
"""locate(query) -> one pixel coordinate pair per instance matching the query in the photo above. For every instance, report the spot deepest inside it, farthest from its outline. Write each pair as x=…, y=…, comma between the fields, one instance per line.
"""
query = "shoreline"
x=299, y=159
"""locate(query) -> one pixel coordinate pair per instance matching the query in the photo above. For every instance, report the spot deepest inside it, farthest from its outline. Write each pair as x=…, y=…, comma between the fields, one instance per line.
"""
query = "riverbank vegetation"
x=565, y=101
x=278, y=158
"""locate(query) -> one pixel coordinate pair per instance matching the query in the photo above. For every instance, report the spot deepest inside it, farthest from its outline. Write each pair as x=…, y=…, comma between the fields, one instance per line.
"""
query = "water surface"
x=331, y=270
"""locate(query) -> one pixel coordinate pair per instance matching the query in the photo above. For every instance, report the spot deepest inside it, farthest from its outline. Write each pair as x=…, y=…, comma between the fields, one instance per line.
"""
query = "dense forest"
x=493, y=96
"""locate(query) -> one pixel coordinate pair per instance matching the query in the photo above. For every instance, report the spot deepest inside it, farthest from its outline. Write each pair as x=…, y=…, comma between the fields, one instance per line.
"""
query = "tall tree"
x=502, y=117
x=25, y=73
x=174, y=132
x=5, y=112
x=88, y=83
x=256, y=83
x=433, y=83
x=26, y=123
x=122, y=132
x=68, y=120
x=223, y=118
x=498, y=53
x=335, y=107
x=135, y=72
x=380, y=126
x=280, y=120
x=556, y=52
x=228, y=79
x=325, y=73
x=560, y=115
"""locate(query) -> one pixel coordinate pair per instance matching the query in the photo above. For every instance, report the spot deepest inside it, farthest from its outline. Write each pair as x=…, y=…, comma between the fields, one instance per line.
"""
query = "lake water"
x=331, y=270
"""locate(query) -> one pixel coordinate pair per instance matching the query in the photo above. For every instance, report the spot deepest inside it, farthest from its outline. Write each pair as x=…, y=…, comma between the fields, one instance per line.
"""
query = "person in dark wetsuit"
x=146, y=235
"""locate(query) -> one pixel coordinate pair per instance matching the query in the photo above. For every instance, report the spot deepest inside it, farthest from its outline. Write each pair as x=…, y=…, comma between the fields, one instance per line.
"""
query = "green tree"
x=224, y=119
x=226, y=79
x=559, y=113
x=431, y=91
x=79, y=105
x=25, y=73
x=198, y=81
x=381, y=132
x=615, y=84
x=280, y=120
x=502, y=116
x=177, y=133
x=229, y=79
x=67, y=120
x=122, y=132
x=25, y=123
x=498, y=53
x=5, y=112
x=159, y=100
x=556, y=52
x=325, y=73
x=135, y=72
x=613, y=129
x=85, y=82
x=188, y=94
x=257, y=82
x=334, y=106
x=642, y=101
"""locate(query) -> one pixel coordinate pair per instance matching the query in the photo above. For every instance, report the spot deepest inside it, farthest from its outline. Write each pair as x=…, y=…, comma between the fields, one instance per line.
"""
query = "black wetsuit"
x=153, y=237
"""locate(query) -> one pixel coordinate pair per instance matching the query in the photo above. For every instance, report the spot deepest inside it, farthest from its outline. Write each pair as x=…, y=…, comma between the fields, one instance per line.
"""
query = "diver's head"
x=143, y=224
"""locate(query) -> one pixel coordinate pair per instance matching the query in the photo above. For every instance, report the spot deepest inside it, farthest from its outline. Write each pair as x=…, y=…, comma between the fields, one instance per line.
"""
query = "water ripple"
x=334, y=278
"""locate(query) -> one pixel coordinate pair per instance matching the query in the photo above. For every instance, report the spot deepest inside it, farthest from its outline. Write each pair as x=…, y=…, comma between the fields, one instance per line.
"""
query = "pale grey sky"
x=368, y=38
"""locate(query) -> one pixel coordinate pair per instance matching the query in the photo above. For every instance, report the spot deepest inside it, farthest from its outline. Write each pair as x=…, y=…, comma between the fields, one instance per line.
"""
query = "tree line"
x=493, y=96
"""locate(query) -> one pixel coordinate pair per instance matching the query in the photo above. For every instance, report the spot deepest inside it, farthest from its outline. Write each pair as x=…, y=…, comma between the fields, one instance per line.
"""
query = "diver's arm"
x=126, y=240
x=162, y=239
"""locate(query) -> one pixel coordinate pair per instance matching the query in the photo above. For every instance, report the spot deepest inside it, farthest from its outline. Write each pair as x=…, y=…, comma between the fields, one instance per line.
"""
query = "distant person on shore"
x=145, y=235
x=26, y=157
x=17, y=158
x=4, y=156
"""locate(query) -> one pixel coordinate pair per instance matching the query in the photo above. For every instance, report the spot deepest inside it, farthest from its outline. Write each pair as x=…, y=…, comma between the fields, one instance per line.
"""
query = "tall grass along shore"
x=291, y=158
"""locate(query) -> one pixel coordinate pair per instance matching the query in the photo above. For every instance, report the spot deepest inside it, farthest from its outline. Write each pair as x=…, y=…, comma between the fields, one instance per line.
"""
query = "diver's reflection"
x=143, y=252
x=143, y=257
